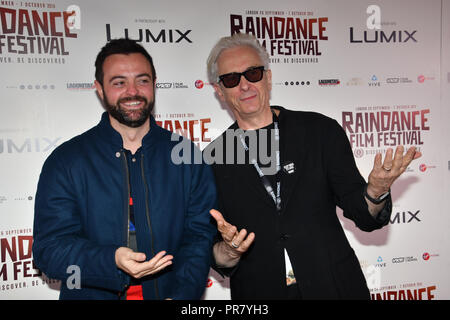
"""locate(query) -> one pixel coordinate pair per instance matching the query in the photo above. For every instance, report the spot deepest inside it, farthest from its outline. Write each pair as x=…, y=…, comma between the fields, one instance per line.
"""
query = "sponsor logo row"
x=382, y=262
x=372, y=81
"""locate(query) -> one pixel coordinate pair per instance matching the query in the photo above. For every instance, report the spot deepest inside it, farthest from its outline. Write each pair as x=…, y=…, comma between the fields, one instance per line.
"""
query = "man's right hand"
x=134, y=264
x=228, y=252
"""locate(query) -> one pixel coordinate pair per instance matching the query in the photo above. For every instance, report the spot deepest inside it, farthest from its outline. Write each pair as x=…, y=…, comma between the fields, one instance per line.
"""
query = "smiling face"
x=128, y=88
x=249, y=101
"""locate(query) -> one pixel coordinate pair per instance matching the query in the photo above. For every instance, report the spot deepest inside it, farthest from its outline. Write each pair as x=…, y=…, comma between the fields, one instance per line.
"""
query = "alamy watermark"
x=74, y=280
x=239, y=146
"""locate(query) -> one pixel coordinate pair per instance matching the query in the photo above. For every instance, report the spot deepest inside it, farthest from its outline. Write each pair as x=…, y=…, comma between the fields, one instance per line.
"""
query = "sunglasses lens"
x=231, y=80
x=254, y=75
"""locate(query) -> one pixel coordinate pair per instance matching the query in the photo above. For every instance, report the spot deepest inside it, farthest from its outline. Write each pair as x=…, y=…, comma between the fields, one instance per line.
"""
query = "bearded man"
x=113, y=203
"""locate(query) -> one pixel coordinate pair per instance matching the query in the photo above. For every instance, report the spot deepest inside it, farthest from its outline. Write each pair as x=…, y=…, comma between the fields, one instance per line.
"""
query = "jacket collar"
x=108, y=133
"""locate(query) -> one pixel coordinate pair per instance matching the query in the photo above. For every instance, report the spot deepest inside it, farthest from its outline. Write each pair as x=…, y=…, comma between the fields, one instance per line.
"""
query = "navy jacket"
x=82, y=214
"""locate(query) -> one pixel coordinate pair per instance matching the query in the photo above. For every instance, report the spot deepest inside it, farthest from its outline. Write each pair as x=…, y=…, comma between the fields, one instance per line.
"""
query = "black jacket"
x=325, y=176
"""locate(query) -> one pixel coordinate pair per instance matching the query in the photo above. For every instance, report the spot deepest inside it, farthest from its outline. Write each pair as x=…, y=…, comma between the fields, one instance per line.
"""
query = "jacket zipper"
x=147, y=212
x=127, y=174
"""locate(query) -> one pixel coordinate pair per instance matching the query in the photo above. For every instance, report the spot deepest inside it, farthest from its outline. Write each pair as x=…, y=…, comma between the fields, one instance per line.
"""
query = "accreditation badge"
x=290, y=277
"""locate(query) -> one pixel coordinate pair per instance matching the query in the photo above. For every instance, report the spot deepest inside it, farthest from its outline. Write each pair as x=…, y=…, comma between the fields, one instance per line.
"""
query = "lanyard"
x=265, y=181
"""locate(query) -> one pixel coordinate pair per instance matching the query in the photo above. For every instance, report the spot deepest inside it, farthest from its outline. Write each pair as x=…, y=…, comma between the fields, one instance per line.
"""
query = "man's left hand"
x=385, y=173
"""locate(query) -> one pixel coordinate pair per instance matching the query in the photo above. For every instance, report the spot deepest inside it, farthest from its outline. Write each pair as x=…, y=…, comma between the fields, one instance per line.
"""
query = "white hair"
x=236, y=40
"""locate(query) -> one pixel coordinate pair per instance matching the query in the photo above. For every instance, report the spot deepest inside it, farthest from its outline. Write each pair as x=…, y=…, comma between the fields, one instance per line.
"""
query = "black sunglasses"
x=231, y=80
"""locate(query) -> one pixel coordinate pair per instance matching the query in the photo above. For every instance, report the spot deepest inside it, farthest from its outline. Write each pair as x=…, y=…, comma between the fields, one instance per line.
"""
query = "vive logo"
x=380, y=263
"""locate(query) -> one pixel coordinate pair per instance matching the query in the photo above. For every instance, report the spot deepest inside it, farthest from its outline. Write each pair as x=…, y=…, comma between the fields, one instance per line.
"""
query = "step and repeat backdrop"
x=380, y=68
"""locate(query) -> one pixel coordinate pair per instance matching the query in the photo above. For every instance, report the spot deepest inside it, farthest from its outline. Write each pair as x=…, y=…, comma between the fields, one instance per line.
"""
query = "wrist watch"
x=378, y=200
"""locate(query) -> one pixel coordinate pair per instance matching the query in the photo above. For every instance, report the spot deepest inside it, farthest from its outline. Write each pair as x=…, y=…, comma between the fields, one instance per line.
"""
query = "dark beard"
x=125, y=117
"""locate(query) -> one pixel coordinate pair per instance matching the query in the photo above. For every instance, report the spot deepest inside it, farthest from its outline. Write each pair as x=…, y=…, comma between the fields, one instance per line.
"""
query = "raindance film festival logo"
x=187, y=125
x=36, y=32
x=405, y=291
x=373, y=129
x=288, y=36
x=17, y=268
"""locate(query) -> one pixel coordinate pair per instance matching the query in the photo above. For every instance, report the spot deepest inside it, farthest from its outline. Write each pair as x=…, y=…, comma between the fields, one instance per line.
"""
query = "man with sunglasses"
x=280, y=237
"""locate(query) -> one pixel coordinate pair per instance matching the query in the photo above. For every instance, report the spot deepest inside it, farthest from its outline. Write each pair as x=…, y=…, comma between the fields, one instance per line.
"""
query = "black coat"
x=325, y=176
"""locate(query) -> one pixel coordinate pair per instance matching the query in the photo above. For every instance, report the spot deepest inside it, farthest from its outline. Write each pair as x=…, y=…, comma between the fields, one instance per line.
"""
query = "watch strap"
x=378, y=200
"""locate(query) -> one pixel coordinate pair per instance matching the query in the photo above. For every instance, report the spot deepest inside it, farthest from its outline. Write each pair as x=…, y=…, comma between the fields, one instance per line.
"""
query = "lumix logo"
x=405, y=217
x=395, y=36
x=376, y=35
x=147, y=35
x=9, y=145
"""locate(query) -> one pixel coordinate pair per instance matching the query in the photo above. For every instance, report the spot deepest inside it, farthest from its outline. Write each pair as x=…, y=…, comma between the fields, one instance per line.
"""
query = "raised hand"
x=228, y=252
x=385, y=173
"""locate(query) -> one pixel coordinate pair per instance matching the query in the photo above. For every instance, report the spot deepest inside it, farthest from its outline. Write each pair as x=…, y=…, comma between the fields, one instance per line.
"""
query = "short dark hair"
x=120, y=46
